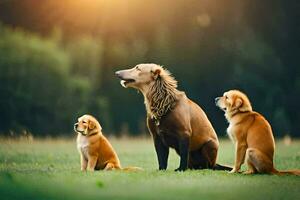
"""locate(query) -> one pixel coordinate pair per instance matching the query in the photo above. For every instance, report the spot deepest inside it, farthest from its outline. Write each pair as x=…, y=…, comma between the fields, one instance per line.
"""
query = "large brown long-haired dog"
x=251, y=133
x=173, y=119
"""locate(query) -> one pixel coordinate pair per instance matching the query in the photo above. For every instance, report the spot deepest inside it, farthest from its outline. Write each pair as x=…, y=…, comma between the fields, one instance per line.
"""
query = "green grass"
x=49, y=169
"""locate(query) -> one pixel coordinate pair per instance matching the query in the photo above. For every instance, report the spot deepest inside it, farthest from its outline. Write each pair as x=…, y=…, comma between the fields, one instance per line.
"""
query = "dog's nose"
x=216, y=100
x=118, y=74
x=75, y=127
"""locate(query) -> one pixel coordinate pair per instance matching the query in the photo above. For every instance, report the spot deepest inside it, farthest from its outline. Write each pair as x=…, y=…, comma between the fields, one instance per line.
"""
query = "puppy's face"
x=136, y=77
x=233, y=100
x=86, y=125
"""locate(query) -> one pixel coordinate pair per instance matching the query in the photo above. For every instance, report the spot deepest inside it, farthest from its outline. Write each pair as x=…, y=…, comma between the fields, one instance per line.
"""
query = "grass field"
x=49, y=169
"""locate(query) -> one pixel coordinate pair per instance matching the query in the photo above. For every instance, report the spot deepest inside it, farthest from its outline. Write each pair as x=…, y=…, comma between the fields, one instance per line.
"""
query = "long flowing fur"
x=162, y=95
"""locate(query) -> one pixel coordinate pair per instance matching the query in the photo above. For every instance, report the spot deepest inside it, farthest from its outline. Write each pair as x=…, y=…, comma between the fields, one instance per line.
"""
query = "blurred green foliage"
x=58, y=59
x=39, y=91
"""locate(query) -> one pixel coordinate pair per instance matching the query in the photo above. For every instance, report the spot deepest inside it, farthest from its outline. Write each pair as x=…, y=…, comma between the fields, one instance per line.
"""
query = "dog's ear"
x=246, y=106
x=91, y=124
x=156, y=73
x=237, y=103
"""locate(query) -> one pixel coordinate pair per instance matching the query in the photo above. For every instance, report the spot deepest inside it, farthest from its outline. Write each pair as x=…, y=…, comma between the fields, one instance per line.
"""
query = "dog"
x=251, y=133
x=96, y=153
x=173, y=120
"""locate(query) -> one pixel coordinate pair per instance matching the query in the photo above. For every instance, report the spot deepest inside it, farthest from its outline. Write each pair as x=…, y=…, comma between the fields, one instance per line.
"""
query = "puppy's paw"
x=248, y=172
x=91, y=169
x=234, y=170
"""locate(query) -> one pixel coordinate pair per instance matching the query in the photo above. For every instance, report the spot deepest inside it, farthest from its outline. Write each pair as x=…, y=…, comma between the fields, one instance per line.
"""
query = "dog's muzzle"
x=217, y=100
x=217, y=103
x=75, y=128
x=124, y=81
x=118, y=74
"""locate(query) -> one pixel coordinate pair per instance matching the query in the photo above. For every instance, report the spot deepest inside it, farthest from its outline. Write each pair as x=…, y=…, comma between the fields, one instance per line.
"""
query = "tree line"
x=57, y=60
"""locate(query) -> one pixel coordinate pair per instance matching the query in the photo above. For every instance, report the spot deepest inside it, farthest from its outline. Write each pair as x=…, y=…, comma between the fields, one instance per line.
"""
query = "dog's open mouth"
x=124, y=82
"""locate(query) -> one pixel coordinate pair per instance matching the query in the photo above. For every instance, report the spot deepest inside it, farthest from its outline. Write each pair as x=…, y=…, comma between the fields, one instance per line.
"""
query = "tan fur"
x=96, y=153
x=251, y=134
x=173, y=119
x=162, y=95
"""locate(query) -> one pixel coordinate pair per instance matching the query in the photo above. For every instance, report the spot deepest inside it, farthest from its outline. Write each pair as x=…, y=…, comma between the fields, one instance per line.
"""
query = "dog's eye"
x=137, y=68
x=226, y=97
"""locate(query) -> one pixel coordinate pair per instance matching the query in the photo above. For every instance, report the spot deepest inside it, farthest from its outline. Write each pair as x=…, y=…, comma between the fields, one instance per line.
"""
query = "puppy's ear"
x=156, y=73
x=237, y=103
x=91, y=124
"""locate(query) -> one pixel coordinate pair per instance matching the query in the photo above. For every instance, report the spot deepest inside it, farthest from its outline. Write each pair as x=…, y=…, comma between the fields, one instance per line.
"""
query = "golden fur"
x=96, y=153
x=251, y=133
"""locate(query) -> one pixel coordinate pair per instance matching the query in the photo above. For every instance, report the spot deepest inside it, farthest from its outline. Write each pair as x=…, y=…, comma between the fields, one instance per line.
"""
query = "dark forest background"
x=58, y=57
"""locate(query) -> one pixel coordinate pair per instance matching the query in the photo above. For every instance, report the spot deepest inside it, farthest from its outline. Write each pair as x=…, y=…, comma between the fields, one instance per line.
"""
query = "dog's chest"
x=231, y=133
x=168, y=137
x=82, y=145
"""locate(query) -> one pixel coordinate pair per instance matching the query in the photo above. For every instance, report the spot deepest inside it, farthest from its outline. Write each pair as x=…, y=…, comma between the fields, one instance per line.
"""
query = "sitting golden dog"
x=251, y=133
x=96, y=153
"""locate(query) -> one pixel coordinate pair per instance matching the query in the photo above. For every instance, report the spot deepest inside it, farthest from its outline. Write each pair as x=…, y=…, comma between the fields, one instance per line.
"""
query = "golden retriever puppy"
x=96, y=153
x=173, y=120
x=251, y=133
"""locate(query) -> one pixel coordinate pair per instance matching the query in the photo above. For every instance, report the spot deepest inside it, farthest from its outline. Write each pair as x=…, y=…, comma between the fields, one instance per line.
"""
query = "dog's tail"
x=286, y=172
x=222, y=167
x=132, y=169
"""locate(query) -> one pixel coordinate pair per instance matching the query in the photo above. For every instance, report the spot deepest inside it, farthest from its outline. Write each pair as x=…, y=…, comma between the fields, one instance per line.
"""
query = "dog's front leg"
x=184, y=153
x=162, y=152
x=92, y=163
x=83, y=162
x=240, y=152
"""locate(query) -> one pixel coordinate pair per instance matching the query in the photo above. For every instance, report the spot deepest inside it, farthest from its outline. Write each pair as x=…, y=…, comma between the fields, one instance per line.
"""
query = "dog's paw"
x=179, y=169
x=248, y=172
x=234, y=171
x=162, y=168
